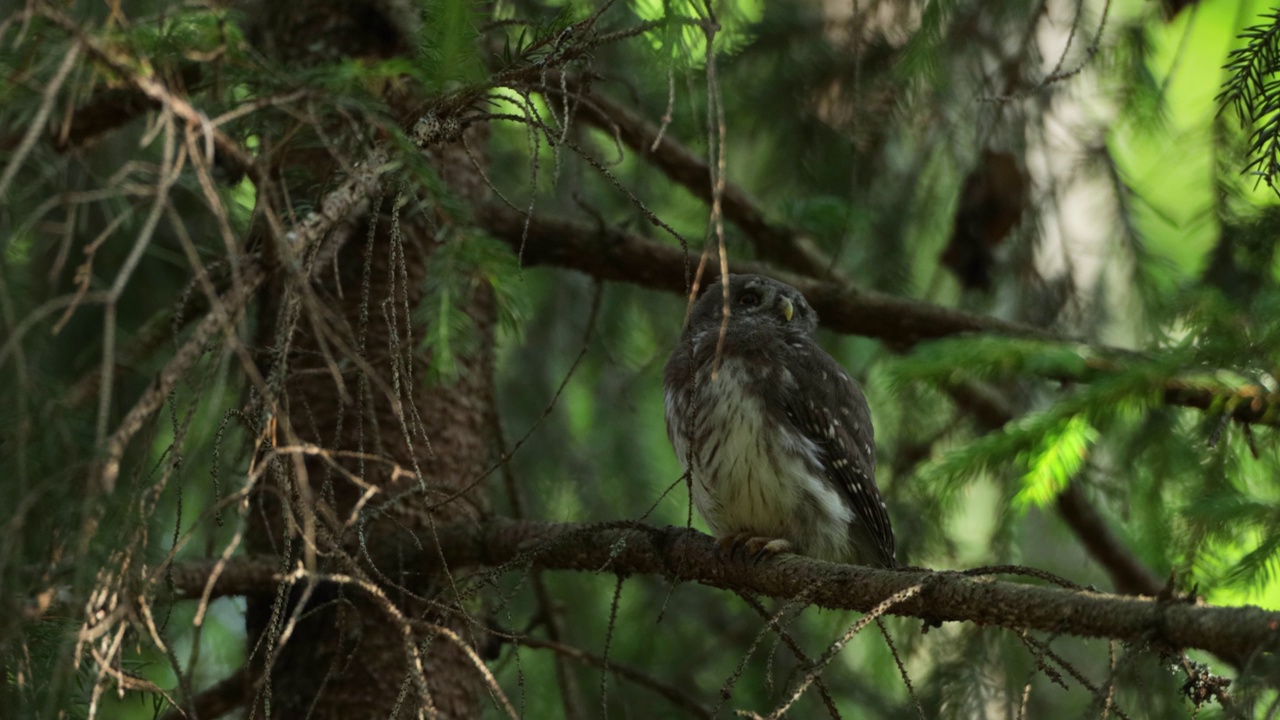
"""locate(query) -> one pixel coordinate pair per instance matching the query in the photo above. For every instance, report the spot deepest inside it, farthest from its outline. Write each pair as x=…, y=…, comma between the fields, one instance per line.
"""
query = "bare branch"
x=156, y=92
x=776, y=243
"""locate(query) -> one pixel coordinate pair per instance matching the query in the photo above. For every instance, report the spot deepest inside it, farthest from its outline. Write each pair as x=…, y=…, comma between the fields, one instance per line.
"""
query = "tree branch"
x=791, y=250
x=1127, y=572
x=153, y=91
x=670, y=692
x=610, y=254
x=683, y=555
x=623, y=257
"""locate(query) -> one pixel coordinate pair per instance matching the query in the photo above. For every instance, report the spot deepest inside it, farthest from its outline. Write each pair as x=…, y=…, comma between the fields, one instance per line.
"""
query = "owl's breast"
x=750, y=471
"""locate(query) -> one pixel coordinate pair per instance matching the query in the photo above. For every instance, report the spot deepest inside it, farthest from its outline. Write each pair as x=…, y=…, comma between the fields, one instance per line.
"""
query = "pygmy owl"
x=775, y=435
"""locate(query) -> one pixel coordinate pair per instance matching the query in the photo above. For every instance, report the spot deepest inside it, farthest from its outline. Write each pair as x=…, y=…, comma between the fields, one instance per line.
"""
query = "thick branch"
x=789, y=249
x=611, y=254
x=680, y=554
x=624, y=257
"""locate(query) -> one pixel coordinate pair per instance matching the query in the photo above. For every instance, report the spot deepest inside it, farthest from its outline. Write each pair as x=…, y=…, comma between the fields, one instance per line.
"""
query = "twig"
x=801, y=655
x=186, y=356
x=230, y=150
x=37, y=123
x=773, y=242
x=547, y=609
x=218, y=700
x=622, y=670
x=838, y=645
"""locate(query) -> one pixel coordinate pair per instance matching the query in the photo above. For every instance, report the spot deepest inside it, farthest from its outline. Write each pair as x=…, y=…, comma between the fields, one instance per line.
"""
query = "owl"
x=774, y=434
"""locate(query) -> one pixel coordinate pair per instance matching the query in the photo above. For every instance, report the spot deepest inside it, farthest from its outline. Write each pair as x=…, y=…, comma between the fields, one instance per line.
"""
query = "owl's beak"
x=787, y=308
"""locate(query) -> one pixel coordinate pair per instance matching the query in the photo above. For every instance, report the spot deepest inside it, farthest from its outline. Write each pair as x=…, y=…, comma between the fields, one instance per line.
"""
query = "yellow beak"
x=787, y=309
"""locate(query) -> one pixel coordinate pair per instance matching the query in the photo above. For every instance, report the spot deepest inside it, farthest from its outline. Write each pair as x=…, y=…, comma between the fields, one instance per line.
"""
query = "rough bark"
x=346, y=658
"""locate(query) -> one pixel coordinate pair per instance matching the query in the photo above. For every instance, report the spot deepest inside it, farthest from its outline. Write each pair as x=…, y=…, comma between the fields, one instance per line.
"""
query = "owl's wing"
x=828, y=408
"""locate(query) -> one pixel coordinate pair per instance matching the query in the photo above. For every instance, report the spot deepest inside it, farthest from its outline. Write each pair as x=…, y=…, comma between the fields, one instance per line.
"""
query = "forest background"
x=332, y=336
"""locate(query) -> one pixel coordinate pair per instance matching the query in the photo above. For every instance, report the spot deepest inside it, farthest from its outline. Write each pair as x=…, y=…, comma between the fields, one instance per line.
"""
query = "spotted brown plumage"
x=775, y=435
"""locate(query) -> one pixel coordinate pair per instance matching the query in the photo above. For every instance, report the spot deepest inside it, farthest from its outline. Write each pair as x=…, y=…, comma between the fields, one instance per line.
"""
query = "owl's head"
x=757, y=302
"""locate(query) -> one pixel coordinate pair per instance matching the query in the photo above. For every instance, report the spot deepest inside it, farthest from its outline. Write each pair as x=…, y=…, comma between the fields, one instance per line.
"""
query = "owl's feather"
x=776, y=436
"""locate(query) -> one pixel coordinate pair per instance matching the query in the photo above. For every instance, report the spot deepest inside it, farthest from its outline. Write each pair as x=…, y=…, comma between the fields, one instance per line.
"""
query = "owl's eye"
x=749, y=299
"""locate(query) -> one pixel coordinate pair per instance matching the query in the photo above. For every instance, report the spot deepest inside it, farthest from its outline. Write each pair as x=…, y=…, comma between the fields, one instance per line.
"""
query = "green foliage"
x=682, y=40
x=182, y=36
x=1045, y=449
x=1243, y=527
x=450, y=47
x=1050, y=465
x=354, y=75
x=924, y=52
x=855, y=132
x=1141, y=97
x=1253, y=90
x=826, y=217
x=455, y=268
x=989, y=358
x=1227, y=538
x=37, y=669
x=527, y=43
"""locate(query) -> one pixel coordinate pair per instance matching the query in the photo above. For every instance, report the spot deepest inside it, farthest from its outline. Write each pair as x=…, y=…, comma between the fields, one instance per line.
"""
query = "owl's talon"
x=758, y=548
x=727, y=546
x=746, y=546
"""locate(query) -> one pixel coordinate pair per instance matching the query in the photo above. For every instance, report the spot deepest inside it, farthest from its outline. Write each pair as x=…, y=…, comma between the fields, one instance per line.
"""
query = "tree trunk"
x=348, y=658
x=349, y=378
